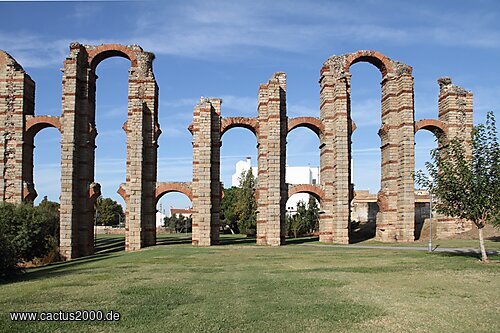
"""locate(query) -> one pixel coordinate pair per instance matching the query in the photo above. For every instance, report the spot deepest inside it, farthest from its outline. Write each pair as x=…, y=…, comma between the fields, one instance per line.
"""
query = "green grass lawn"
x=240, y=287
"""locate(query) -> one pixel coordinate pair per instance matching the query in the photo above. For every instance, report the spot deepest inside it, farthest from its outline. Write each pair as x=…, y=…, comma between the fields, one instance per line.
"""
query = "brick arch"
x=244, y=122
x=313, y=123
x=377, y=59
x=122, y=192
x=163, y=188
x=437, y=127
x=104, y=51
x=313, y=190
x=34, y=124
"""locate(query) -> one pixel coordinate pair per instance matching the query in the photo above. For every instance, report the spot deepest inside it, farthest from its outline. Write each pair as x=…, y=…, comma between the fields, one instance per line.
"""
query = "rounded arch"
x=312, y=123
x=313, y=190
x=377, y=59
x=437, y=127
x=99, y=53
x=163, y=188
x=34, y=124
x=244, y=122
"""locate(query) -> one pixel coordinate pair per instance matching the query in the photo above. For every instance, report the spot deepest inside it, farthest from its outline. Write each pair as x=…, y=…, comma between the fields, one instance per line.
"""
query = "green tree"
x=299, y=222
x=305, y=220
x=246, y=204
x=467, y=186
x=229, y=216
x=109, y=212
x=312, y=215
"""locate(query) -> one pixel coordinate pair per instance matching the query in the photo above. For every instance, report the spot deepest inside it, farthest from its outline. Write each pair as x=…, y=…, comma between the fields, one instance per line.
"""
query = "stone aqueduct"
x=396, y=198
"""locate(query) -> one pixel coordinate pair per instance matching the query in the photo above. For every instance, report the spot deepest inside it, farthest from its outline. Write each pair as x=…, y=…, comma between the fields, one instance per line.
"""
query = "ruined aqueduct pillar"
x=17, y=94
x=455, y=112
x=395, y=222
x=271, y=185
x=206, y=171
x=78, y=147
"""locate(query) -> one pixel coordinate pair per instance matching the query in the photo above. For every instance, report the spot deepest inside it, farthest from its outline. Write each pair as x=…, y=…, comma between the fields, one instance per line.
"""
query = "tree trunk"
x=484, y=255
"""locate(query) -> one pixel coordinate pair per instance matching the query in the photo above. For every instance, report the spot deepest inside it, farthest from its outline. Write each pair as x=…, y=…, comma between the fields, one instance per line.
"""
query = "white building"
x=160, y=218
x=294, y=175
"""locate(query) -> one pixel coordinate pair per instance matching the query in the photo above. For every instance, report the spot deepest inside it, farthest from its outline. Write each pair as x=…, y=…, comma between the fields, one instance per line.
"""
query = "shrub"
x=27, y=232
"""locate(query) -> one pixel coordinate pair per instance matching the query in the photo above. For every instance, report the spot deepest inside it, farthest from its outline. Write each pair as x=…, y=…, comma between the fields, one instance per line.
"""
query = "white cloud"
x=223, y=30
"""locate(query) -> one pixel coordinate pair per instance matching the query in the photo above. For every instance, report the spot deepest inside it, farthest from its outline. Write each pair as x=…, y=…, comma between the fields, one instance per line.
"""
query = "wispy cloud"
x=31, y=50
x=225, y=30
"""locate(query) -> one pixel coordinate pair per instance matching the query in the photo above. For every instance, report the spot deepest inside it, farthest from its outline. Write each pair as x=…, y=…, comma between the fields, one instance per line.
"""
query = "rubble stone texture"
x=141, y=191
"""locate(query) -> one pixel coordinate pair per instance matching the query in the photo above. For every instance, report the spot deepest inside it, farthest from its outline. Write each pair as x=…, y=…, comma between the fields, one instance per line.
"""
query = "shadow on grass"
x=236, y=240
x=104, y=247
x=468, y=254
x=55, y=269
x=301, y=240
x=109, y=245
x=173, y=240
x=494, y=238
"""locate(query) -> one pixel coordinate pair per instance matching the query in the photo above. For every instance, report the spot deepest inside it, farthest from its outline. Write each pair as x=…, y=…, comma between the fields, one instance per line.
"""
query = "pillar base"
x=449, y=227
x=337, y=238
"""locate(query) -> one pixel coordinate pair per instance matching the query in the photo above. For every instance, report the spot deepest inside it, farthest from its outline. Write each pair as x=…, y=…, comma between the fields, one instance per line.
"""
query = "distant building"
x=160, y=218
x=161, y=214
x=364, y=207
x=294, y=175
x=178, y=212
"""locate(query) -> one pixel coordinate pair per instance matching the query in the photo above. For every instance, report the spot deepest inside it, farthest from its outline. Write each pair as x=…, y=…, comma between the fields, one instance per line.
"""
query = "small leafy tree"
x=312, y=215
x=246, y=204
x=299, y=221
x=179, y=223
x=109, y=212
x=304, y=220
x=467, y=186
x=229, y=215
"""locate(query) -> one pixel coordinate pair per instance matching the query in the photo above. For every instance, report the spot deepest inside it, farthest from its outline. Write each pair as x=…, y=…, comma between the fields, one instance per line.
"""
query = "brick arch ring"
x=377, y=59
x=313, y=190
x=244, y=122
x=34, y=124
x=104, y=51
x=314, y=124
x=437, y=127
x=163, y=188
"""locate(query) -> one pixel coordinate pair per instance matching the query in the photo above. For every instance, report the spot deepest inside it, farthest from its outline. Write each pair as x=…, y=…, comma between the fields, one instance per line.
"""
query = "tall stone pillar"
x=79, y=132
x=142, y=130
x=395, y=221
x=77, y=145
x=335, y=152
x=396, y=199
x=17, y=99
x=206, y=172
x=455, y=111
x=272, y=189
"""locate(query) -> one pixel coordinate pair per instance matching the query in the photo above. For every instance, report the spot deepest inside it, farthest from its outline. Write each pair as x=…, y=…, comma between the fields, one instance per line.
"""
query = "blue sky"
x=227, y=48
